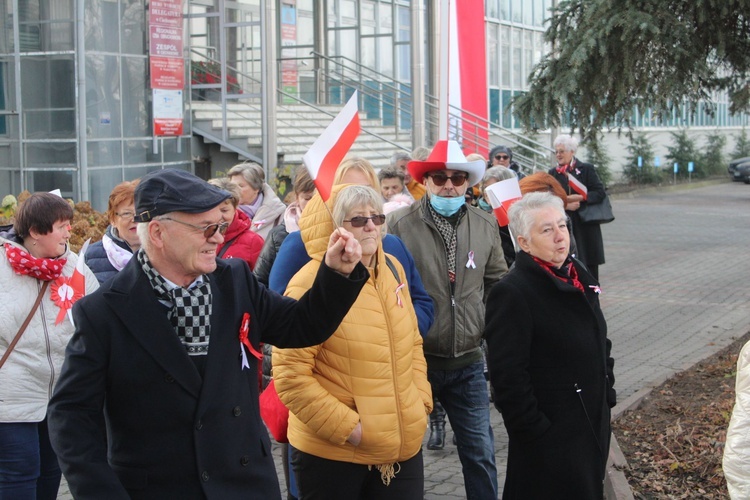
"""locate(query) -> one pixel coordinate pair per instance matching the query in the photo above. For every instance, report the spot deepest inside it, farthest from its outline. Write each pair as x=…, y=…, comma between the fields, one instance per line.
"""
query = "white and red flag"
x=329, y=149
x=65, y=291
x=502, y=195
x=578, y=186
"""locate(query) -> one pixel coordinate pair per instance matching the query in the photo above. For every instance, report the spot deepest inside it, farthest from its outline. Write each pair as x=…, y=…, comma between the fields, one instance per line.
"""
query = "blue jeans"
x=465, y=398
x=28, y=467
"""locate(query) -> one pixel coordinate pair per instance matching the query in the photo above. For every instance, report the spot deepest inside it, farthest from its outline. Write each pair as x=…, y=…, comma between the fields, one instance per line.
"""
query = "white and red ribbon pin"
x=398, y=295
x=245, y=340
x=470, y=263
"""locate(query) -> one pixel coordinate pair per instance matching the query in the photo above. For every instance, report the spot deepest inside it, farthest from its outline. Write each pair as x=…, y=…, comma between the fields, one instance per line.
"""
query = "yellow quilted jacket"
x=372, y=369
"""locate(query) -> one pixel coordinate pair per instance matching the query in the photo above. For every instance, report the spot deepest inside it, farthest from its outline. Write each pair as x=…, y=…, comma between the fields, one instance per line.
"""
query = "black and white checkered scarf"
x=191, y=308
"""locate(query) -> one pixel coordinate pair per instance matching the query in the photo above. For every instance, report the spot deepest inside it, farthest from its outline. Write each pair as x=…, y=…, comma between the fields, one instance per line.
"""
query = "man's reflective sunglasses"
x=361, y=221
x=456, y=179
x=502, y=157
x=208, y=230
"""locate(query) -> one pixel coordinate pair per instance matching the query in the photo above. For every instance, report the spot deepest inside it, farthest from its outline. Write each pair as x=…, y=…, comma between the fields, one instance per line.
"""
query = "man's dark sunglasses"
x=502, y=157
x=208, y=230
x=456, y=179
x=361, y=221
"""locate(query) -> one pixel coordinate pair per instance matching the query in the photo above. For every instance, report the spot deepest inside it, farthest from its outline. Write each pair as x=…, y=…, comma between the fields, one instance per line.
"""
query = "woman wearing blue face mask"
x=491, y=176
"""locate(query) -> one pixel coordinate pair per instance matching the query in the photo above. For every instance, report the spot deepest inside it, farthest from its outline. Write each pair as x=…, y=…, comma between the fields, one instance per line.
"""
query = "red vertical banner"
x=289, y=73
x=467, y=68
x=167, y=65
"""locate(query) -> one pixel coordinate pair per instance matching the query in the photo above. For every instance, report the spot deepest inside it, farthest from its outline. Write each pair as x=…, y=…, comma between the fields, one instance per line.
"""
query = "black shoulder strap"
x=226, y=246
x=390, y=265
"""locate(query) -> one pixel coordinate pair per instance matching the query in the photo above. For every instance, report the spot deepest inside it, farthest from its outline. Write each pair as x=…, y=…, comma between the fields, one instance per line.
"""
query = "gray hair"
x=251, y=172
x=420, y=153
x=390, y=173
x=497, y=174
x=569, y=142
x=353, y=197
x=229, y=186
x=523, y=212
x=399, y=156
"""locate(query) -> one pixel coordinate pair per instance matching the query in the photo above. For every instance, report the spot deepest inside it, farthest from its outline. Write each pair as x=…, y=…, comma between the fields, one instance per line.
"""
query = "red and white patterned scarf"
x=24, y=264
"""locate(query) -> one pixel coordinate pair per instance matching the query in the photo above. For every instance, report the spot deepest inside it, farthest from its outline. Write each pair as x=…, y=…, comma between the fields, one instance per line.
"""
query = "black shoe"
x=437, y=436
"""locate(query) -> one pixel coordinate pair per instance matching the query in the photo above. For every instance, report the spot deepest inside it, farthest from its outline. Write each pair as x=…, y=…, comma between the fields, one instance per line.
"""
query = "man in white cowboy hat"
x=458, y=253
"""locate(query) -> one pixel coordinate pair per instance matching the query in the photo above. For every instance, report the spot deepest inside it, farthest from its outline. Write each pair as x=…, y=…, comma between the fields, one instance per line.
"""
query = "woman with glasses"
x=358, y=402
x=583, y=186
x=36, y=264
x=108, y=256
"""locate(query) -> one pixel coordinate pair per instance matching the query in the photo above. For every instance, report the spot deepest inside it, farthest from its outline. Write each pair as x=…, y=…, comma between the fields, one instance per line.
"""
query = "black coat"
x=588, y=236
x=267, y=256
x=131, y=416
x=545, y=340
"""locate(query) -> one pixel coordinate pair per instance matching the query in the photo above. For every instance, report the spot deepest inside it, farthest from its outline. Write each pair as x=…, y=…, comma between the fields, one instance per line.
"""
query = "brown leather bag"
x=25, y=324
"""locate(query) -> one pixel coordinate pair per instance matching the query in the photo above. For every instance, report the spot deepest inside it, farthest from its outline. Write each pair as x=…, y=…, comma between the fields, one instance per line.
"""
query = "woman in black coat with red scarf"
x=549, y=361
x=588, y=236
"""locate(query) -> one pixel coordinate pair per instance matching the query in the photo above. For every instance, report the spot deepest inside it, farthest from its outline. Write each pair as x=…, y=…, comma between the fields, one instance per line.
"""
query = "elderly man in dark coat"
x=158, y=396
x=549, y=361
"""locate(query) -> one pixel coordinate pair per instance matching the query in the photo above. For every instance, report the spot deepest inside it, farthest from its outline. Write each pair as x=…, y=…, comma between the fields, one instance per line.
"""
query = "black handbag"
x=600, y=213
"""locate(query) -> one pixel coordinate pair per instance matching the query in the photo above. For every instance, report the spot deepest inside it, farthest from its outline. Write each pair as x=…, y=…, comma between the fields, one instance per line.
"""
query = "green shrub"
x=742, y=146
x=683, y=151
x=712, y=158
x=647, y=173
x=598, y=156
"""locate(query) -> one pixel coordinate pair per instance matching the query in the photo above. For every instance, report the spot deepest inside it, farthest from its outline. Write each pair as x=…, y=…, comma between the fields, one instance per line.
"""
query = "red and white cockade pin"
x=245, y=340
x=398, y=295
x=596, y=289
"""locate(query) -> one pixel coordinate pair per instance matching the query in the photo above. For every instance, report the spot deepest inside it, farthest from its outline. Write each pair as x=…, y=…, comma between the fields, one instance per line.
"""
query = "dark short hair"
x=40, y=212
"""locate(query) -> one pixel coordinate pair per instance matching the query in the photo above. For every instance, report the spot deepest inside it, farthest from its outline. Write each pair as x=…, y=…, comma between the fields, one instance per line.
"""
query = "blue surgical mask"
x=446, y=206
x=484, y=205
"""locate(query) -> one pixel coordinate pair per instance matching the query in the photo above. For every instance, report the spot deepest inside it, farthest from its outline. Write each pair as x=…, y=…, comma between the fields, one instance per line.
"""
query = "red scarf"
x=25, y=265
x=564, y=169
x=566, y=273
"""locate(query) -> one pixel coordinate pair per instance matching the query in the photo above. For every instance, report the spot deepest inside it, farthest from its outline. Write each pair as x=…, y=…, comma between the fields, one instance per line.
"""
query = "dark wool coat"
x=131, y=416
x=588, y=236
x=546, y=340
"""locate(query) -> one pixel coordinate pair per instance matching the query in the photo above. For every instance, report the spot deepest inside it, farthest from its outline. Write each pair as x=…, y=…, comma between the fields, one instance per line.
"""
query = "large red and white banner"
x=167, y=65
x=329, y=149
x=463, y=73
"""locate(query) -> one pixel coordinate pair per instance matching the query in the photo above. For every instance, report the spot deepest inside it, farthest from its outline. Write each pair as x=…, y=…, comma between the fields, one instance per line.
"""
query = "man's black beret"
x=172, y=190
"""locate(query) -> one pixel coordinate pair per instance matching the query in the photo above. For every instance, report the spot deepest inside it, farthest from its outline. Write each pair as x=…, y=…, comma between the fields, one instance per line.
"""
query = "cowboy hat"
x=447, y=155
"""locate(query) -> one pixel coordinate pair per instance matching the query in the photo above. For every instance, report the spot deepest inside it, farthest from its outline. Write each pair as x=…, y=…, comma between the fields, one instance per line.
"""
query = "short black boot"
x=437, y=427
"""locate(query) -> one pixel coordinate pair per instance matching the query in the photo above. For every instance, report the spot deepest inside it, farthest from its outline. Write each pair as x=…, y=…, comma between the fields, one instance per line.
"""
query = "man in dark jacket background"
x=158, y=395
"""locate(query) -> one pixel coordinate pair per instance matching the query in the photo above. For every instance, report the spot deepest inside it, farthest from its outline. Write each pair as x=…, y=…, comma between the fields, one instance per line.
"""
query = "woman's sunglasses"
x=456, y=179
x=502, y=157
x=361, y=221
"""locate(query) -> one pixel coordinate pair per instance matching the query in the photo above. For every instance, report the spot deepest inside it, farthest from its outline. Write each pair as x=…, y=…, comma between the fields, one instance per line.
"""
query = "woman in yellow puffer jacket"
x=358, y=402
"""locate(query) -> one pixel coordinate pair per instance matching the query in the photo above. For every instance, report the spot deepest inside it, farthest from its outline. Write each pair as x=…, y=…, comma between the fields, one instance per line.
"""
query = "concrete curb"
x=616, y=486
x=637, y=191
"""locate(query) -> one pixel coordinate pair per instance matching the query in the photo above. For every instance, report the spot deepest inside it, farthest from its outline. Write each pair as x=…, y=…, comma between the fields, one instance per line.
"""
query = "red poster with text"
x=167, y=73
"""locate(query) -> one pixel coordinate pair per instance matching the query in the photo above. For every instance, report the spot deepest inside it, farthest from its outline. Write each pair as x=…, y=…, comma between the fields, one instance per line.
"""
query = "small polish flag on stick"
x=502, y=195
x=66, y=291
x=578, y=186
x=329, y=149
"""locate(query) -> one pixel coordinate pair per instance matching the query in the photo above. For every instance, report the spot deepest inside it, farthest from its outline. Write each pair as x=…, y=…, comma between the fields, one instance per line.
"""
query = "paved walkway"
x=676, y=289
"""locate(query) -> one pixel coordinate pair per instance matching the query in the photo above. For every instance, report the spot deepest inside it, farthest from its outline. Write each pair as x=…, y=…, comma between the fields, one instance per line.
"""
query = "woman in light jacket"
x=736, y=463
x=358, y=402
x=257, y=199
x=34, y=251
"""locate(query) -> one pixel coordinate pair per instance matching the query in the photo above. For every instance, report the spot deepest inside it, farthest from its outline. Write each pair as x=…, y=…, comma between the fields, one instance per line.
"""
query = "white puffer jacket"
x=30, y=373
x=737, y=448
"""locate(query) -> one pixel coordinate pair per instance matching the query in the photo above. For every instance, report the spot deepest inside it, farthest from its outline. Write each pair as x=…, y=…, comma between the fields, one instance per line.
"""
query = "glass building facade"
x=75, y=97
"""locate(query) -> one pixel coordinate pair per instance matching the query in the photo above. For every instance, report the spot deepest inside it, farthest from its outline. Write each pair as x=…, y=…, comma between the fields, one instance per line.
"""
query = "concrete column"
x=269, y=55
x=418, y=121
